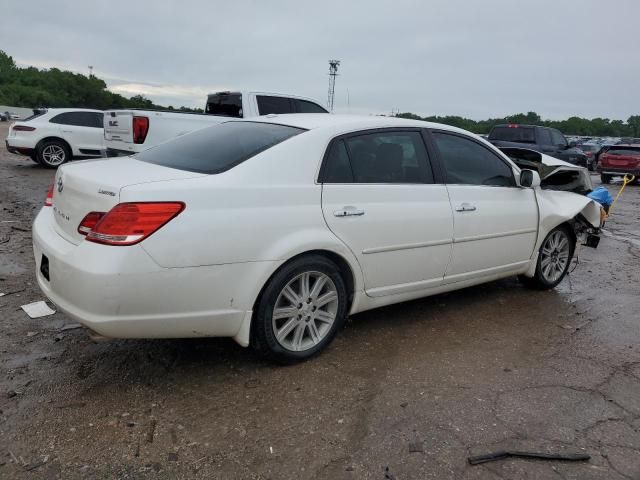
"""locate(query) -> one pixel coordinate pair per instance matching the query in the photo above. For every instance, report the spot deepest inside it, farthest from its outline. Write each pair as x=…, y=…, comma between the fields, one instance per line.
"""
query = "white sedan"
x=273, y=231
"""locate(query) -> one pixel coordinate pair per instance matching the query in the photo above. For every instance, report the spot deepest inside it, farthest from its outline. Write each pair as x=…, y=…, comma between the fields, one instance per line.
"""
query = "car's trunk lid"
x=94, y=186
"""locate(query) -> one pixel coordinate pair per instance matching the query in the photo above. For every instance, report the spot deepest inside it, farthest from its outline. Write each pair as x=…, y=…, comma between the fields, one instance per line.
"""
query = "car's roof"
x=64, y=110
x=518, y=125
x=312, y=121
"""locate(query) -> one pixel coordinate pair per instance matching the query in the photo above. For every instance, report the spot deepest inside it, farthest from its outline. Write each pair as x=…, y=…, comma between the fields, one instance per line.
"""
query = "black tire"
x=45, y=155
x=540, y=281
x=34, y=158
x=605, y=178
x=263, y=336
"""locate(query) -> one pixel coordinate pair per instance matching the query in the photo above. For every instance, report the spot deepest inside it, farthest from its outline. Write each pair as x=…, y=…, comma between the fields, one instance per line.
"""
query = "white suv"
x=57, y=135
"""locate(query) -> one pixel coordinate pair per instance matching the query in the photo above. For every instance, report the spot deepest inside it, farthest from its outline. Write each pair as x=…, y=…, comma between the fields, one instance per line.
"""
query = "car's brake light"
x=23, y=128
x=48, y=201
x=89, y=222
x=512, y=125
x=140, y=129
x=130, y=223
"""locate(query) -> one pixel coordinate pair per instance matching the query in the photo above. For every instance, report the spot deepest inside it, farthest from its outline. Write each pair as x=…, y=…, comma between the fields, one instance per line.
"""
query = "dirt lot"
x=405, y=392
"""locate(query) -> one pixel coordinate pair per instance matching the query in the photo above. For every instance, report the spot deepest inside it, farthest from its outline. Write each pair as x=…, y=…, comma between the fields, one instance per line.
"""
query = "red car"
x=619, y=160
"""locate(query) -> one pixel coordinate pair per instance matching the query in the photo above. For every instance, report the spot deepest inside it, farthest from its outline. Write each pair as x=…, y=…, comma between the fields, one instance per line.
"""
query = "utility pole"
x=90, y=70
x=333, y=72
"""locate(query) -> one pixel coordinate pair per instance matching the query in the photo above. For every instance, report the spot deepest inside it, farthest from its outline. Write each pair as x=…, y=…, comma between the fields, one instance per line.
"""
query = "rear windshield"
x=218, y=148
x=225, y=104
x=589, y=148
x=513, y=134
x=36, y=113
x=628, y=151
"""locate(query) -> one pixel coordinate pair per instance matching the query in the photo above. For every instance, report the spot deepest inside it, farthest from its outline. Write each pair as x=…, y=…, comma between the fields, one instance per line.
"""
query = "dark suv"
x=541, y=139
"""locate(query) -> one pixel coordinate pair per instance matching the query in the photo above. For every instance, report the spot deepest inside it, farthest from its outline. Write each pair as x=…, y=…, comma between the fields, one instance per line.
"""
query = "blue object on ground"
x=602, y=196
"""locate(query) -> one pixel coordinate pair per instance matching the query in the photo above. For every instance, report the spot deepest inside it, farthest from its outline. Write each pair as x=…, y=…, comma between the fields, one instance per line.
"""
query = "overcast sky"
x=471, y=58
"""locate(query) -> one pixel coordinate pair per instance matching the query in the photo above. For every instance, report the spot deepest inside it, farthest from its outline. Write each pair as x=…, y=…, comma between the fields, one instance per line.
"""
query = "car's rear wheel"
x=300, y=310
x=554, y=259
x=605, y=178
x=53, y=153
x=34, y=158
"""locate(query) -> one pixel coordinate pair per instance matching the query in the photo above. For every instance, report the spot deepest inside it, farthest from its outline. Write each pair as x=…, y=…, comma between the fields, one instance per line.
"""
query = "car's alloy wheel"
x=52, y=154
x=554, y=259
x=305, y=311
x=554, y=255
x=300, y=310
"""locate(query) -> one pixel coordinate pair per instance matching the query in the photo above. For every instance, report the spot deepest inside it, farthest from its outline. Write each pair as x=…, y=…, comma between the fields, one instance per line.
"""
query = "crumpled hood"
x=555, y=174
x=557, y=207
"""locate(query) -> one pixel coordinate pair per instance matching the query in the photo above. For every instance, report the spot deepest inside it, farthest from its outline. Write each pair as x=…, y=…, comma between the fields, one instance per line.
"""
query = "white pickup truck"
x=130, y=131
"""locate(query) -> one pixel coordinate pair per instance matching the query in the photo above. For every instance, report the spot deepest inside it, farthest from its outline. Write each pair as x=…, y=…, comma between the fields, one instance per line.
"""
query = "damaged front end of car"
x=559, y=183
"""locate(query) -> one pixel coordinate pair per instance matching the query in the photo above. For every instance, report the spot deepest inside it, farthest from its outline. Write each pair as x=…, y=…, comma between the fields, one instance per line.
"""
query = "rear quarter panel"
x=265, y=209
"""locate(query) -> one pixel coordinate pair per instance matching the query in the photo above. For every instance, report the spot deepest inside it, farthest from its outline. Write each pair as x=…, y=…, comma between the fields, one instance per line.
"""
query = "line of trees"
x=600, y=127
x=32, y=87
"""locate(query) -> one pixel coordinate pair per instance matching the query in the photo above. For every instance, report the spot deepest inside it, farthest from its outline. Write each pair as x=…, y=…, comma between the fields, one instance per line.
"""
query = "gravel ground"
x=404, y=392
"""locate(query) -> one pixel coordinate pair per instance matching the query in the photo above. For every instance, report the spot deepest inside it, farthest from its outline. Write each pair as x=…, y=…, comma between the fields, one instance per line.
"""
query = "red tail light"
x=89, y=222
x=130, y=223
x=140, y=129
x=48, y=201
x=23, y=128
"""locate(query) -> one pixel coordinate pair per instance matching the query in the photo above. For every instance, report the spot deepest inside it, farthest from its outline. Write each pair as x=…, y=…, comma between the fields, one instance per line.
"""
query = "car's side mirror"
x=529, y=179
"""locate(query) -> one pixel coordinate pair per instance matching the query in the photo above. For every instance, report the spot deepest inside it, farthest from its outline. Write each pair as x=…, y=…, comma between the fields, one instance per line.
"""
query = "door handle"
x=348, y=211
x=466, y=207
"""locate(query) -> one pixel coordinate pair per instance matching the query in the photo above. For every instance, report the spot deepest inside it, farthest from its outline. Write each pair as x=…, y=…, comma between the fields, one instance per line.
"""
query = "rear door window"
x=469, y=163
x=304, y=106
x=381, y=157
x=218, y=148
x=79, y=119
x=277, y=105
x=225, y=105
x=544, y=136
x=558, y=139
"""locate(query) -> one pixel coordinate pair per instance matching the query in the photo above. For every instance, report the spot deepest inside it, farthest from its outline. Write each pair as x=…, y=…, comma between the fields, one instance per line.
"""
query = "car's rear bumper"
x=18, y=149
x=122, y=292
x=114, y=152
x=618, y=170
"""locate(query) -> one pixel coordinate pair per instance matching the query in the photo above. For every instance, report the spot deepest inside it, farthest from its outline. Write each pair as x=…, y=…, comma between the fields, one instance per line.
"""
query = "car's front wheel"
x=300, y=310
x=554, y=259
x=53, y=153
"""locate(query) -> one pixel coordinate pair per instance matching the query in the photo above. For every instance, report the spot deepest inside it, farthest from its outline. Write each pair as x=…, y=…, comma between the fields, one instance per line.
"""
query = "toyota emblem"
x=60, y=185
